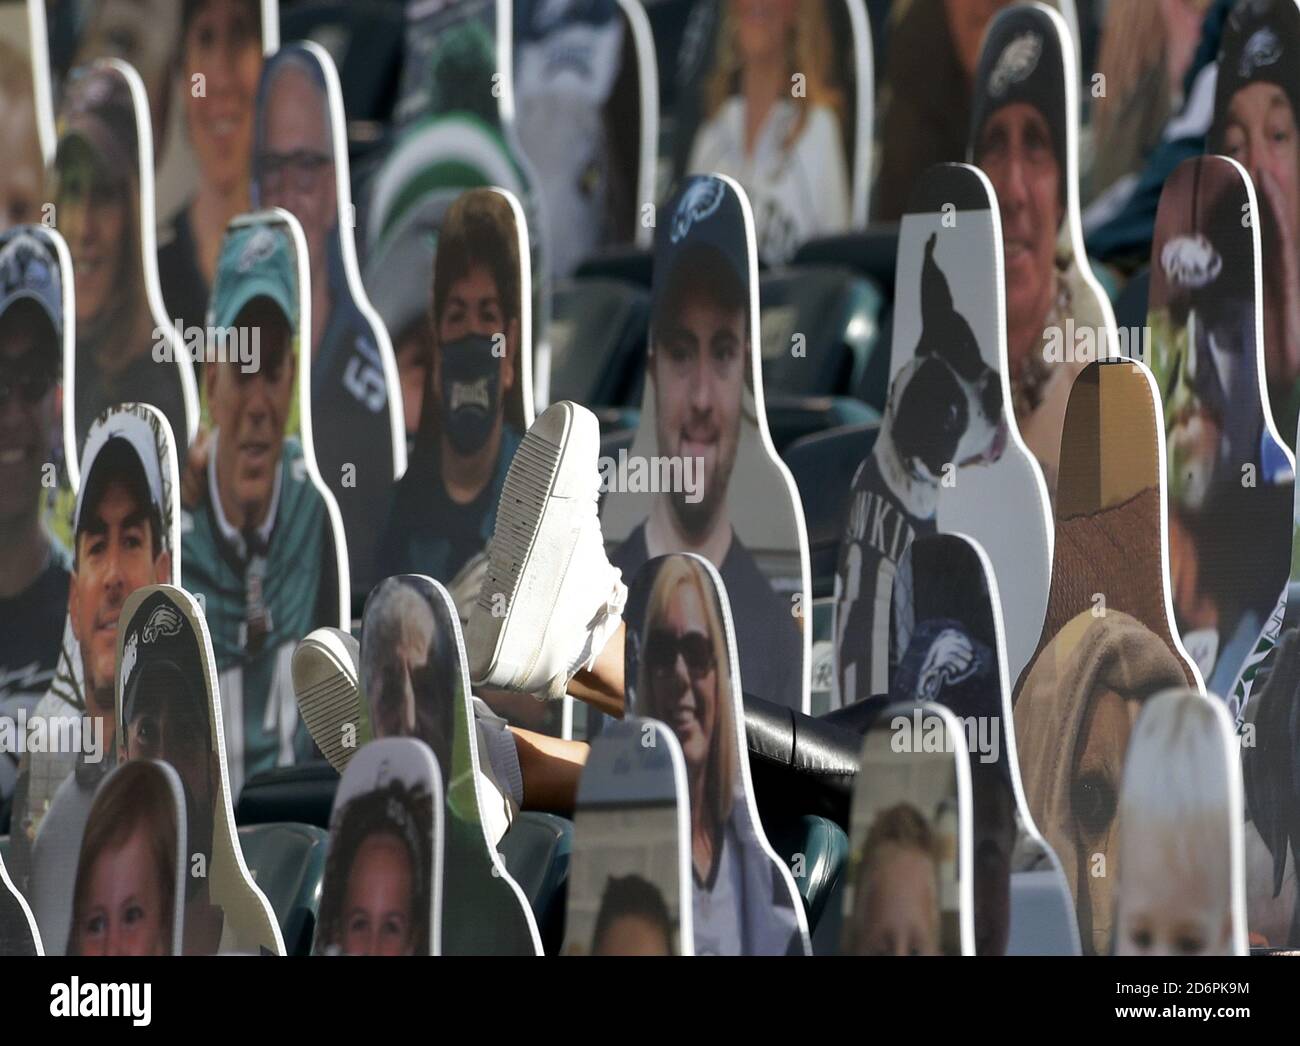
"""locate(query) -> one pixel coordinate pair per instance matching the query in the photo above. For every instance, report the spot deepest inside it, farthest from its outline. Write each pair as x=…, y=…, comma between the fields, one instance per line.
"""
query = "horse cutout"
x=909, y=876
x=1108, y=641
x=199, y=63
x=630, y=875
x=26, y=113
x=300, y=163
x=806, y=171
x=947, y=646
x=1058, y=317
x=126, y=349
x=683, y=669
x=381, y=893
x=587, y=98
x=1258, y=89
x=265, y=551
x=949, y=456
x=168, y=708
x=701, y=474
x=35, y=343
x=414, y=677
x=131, y=865
x=1229, y=472
x=455, y=129
x=1181, y=883
x=125, y=535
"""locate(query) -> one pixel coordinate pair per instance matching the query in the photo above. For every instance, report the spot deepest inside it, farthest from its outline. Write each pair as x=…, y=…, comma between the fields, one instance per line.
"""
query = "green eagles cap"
x=256, y=262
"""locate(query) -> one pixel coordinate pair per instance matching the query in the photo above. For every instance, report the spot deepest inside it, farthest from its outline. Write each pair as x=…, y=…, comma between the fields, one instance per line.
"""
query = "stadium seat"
x=872, y=253
x=288, y=865
x=833, y=312
x=823, y=465
x=824, y=848
x=598, y=342
x=303, y=794
x=536, y=852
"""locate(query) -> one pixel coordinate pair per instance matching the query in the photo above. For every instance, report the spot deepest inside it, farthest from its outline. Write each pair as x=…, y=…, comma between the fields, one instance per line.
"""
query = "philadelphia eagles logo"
x=260, y=246
x=129, y=657
x=1191, y=261
x=164, y=621
x=1016, y=63
x=1262, y=49
x=698, y=202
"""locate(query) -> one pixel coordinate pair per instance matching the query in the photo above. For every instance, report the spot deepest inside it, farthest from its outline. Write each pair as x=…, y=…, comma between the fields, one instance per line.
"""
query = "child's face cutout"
x=1169, y=905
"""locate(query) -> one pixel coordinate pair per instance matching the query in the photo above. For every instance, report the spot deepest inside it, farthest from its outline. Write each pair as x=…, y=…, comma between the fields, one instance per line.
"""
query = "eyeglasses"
x=303, y=167
x=663, y=648
x=29, y=386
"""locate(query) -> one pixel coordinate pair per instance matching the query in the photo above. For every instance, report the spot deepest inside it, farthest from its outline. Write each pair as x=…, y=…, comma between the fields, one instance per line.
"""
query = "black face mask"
x=471, y=378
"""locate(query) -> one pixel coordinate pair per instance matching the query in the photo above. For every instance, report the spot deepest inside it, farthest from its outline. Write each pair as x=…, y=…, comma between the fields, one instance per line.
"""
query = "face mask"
x=471, y=376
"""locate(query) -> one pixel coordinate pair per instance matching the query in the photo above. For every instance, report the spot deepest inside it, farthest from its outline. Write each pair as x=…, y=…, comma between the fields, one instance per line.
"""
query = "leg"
x=601, y=686
x=550, y=768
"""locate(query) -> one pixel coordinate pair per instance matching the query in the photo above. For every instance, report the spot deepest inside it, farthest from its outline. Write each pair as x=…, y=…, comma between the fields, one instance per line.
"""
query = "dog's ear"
x=936, y=296
x=931, y=415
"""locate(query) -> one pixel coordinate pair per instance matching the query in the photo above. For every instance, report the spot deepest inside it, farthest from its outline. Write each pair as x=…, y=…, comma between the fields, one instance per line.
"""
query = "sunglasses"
x=663, y=648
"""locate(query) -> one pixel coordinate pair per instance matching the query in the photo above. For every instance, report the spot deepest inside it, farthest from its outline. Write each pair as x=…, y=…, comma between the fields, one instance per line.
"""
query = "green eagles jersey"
x=259, y=600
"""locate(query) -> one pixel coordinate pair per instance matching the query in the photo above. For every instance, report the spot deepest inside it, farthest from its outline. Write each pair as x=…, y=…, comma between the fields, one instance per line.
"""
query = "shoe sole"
x=530, y=484
x=329, y=694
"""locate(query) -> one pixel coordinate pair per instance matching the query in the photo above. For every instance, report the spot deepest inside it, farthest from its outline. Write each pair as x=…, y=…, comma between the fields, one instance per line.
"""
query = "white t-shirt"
x=718, y=911
x=796, y=193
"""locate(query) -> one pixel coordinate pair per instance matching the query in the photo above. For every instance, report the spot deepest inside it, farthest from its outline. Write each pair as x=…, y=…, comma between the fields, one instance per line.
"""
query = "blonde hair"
x=809, y=51
x=721, y=766
x=1176, y=790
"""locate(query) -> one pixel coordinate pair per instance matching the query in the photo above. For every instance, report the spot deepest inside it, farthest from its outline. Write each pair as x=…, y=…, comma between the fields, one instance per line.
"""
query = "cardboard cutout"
x=630, y=869
x=1024, y=136
x=18, y=933
x=265, y=551
x=1108, y=641
x=131, y=866
x=26, y=115
x=382, y=889
x=702, y=475
x=587, y=92
x=126, y=348
x=169, y=709
x=199, y=63
x=806, y=171
x=415, y=678
x=1266, y=725
x=909, y=875
x=125, y=535
x=462, y=326
x=948, y=456
x=1229, y=473
x=1257, y=100
x=36, y=489
x=1181, y=885
x=300, y=163
x=455, y=130
x=925, y=106
x=947, y=646
x=683, y=669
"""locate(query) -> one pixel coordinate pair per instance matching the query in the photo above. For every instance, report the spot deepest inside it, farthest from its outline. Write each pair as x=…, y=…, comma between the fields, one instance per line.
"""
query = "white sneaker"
x=327, y=683
x=550, y=599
